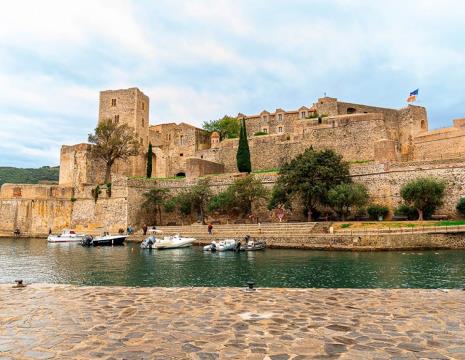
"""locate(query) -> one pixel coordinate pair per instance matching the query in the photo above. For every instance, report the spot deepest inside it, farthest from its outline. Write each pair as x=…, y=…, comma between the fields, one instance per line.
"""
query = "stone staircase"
x=274, y=230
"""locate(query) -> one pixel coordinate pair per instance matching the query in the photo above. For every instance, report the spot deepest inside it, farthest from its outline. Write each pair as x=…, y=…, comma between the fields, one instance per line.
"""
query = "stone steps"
x=285, y=230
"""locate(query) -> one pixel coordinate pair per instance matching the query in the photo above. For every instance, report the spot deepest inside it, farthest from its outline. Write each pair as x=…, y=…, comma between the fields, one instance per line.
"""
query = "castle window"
x=143, y=105
x=280, y=129
x=113, y=102
x=351, y=110
x=423, y=124
x=117, y=119
x=265, y=130
x=302, y=114
x=265, y=117
x=142, y=121
x=181, y=140
x=181, y=154
x=280, y=117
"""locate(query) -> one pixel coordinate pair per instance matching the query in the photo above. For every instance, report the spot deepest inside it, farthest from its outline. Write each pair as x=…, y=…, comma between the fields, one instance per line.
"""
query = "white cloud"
x=199, y=60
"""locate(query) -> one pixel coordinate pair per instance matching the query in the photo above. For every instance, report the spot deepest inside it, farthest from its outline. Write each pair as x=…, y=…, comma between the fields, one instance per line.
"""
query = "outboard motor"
x=87, y=241
x=213, y=247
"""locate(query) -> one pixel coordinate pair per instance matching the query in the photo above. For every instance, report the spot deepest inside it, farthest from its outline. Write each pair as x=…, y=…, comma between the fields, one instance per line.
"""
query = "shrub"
x=404, y=210
x=461, y=206
x=376, y=211
x=260, y=133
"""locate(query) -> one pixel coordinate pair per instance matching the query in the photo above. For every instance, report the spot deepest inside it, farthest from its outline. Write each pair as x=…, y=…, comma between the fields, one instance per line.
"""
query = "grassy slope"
x=28, y=176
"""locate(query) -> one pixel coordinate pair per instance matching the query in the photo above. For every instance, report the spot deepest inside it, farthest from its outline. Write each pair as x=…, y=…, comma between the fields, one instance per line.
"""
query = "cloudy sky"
x=199, y=60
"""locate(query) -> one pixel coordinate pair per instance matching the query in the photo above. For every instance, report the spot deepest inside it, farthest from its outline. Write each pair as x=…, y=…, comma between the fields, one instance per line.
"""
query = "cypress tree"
x=149, y=161
x=243, y=152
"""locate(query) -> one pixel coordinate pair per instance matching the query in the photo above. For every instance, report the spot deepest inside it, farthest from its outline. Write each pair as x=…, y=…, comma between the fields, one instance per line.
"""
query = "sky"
x=199, y=60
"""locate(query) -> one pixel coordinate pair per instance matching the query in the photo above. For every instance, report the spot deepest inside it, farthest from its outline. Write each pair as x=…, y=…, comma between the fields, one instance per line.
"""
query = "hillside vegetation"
x=28, y=176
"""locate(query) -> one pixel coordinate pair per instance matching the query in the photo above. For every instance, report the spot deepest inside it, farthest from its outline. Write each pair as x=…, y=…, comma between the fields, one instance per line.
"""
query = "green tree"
x=423, y=194
x=200, y=195
x=149, y=161
x=221, y=203
x=461, y=206
x=243, y=152
x=154, y=199
x=308, y=179
x=239, y=197
x=344, y=196
x=113, y=141
x=228, y=127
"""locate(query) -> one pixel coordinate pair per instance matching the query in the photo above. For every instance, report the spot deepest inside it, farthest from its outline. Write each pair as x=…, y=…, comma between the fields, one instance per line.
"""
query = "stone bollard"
x=19, y=284
x=250, y=286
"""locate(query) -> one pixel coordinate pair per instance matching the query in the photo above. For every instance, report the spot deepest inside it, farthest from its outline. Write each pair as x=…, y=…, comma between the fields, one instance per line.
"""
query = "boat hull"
x=59, y=239
x=105, y=241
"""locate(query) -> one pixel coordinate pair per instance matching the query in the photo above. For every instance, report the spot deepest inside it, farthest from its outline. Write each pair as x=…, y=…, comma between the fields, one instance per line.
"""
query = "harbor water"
x=36, y=261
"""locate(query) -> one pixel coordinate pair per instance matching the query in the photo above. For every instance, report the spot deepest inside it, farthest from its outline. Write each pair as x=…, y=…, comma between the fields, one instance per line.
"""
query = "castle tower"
x=131, y=107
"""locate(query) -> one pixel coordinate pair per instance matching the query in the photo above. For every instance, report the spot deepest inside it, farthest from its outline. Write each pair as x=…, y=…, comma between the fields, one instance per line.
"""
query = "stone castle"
x=385, y=146
x=358, y=132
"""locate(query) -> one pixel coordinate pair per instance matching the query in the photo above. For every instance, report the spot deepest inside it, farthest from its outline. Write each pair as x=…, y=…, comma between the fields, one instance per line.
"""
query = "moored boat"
x=105, y=240
x=66, y=236
x=168, y=242
x=223, y=245
x=251, y=245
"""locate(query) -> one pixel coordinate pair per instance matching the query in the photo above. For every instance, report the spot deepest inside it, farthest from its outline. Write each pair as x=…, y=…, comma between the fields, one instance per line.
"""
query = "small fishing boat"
x=66, y=236
x=223, y=245
x=105, y=240
x=168, y=242
x=252, y=245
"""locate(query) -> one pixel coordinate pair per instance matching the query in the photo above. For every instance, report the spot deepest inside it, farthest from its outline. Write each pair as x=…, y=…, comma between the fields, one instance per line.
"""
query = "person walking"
x=210, y=229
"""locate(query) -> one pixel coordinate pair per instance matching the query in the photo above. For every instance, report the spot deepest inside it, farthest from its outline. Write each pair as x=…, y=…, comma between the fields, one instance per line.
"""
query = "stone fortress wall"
x=386, y=147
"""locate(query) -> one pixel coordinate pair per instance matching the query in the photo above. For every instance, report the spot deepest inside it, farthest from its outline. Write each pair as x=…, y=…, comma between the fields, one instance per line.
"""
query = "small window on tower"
x=142, y=121
x=181, y=140
x=280, y=129
x=143, y=105
x=181, y=154
x=113, y=102
x=280, y=117
x=117, y=119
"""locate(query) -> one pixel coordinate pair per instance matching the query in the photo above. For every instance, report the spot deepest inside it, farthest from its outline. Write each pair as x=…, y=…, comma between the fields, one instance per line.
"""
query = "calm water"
x=35, y=260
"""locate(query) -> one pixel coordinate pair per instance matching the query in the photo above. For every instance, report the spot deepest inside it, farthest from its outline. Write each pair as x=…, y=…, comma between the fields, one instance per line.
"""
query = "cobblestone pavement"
x=61, y=321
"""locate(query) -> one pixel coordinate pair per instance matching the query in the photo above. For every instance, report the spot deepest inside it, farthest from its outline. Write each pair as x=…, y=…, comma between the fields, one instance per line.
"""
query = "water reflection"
x=36, y=261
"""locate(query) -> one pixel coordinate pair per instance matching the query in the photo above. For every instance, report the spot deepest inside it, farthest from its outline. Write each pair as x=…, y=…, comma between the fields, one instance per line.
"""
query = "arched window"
x=351, y=110
x=181, y=174
x=423, y=124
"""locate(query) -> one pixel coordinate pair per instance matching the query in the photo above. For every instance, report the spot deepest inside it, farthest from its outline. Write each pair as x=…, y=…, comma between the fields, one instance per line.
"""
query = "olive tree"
x=423, y=194
x=113, y=141
x=344, y=196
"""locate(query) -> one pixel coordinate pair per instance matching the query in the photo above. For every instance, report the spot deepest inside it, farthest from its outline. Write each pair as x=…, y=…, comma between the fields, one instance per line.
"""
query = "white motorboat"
x=168, y=242
x=223, y=245
x=66, y=236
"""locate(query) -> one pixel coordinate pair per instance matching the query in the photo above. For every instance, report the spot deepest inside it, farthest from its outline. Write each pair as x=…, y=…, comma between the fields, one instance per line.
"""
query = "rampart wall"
x=355, y=137
x=36, y=208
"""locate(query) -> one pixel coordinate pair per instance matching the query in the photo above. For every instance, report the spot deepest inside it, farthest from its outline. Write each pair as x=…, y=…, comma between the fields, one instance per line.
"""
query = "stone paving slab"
x=70, y=322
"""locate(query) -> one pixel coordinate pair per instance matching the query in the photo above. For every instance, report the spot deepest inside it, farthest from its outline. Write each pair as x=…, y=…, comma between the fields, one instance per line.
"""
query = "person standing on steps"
x=144, y=229
x=210, y=229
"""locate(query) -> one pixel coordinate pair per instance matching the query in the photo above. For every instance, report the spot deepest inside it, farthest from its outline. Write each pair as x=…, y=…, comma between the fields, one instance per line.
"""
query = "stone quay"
x=66, y=321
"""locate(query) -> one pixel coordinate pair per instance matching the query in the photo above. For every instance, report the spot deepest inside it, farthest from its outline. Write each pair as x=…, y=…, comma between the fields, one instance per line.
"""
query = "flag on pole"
x=413, y=96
